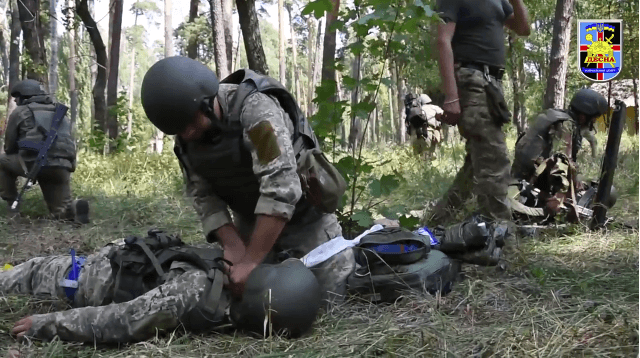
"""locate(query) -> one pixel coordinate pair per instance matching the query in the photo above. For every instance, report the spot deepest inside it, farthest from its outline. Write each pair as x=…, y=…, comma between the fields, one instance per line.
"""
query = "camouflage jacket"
x=98, y=319
x=257, y=177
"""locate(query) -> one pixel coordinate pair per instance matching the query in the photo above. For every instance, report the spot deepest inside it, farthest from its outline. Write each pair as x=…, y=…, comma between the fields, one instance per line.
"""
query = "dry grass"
x=561, y=295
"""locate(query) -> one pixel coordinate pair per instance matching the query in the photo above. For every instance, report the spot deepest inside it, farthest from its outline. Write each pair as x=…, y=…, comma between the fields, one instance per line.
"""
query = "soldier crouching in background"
x=30, y=122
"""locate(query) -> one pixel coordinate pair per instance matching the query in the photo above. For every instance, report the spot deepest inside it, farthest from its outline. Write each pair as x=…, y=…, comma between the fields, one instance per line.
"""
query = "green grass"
x=561, y=295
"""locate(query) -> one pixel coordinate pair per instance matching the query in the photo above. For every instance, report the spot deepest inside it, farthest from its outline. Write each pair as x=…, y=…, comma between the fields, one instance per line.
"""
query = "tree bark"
x=192, y=47
x=295, y=76
x=554, y=97
x=310, y=49
x=73, y=93
x=329, y=46
x=227, y=11
x=14, y=61
x=219, y=44
x=516, y=62
x=356, y=124
x=99, y=100
x=281, y=57
x=132, y=70
x=112, y=84
x=236, y=61
x=33, y=40
x=635, y=101
x=317, y=66
x=400, y=90
x=4, y=48
x=343, y=129
x=251, y=35
x=392, y=111
x=53, y=63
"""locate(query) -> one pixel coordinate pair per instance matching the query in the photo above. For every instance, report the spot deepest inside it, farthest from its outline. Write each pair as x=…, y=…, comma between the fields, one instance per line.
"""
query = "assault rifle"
x=42, y=148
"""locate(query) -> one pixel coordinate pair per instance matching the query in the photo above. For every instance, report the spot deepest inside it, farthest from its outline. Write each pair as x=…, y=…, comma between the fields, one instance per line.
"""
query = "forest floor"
x=570, y=294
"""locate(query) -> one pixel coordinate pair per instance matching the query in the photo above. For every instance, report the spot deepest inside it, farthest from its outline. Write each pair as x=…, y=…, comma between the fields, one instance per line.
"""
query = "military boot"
x=81, y=211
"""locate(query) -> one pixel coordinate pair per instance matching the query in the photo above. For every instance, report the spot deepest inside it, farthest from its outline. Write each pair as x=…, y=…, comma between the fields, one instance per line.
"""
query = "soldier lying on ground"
x=557, y=130
x=245, y=148
x=113, y=303
x=30, y=122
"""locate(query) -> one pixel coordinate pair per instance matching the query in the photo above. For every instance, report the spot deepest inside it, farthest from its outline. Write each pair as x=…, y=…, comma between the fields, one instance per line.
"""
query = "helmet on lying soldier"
x=282, y=297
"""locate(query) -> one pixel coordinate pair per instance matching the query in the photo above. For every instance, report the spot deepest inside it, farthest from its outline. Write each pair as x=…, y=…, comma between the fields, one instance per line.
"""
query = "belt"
x=70, y=283
x=494, y=71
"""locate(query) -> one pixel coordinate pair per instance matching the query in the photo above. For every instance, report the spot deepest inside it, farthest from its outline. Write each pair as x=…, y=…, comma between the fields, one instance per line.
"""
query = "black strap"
x=151, y=256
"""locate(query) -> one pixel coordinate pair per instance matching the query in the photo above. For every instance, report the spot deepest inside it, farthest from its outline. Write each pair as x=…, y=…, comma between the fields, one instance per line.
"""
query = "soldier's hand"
x=21, y=327
x=451, y=112
x=239, y=274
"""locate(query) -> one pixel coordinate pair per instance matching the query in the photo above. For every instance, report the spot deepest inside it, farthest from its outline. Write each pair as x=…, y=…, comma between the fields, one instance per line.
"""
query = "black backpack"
x=143, y=263
x=395, y=260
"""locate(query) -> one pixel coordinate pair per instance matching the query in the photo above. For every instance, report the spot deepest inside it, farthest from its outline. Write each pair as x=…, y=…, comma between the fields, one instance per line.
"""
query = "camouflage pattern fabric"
x=299, y=238
x=485, y=172
x=274, y=164
x=590, y=136
x=54, y=183
x=96, y=318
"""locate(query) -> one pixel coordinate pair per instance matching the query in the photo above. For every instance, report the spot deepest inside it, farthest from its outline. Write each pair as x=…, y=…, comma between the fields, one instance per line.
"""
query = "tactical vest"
x=536, y=142
x=62, y=148
x=225, y=163
x=143, y=263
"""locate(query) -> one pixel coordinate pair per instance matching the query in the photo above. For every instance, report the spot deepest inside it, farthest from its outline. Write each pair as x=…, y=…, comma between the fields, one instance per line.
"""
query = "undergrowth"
x=561, y=295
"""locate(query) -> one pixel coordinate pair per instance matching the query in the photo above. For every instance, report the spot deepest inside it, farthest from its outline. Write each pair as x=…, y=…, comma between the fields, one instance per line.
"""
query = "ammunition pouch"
x=322, y=184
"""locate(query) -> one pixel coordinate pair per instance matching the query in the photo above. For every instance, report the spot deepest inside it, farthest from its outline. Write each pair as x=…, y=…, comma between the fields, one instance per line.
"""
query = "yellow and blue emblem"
x=600, y=49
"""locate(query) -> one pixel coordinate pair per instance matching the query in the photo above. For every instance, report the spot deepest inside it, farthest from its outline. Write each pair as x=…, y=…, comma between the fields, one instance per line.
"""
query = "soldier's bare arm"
x=519, y=20
x=451, y=105
x=158, y=310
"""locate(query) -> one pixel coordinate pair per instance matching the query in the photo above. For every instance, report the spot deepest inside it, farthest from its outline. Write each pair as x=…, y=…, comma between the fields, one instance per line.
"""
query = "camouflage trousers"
x=54, y=183
x=299, y=238
x=485, y=172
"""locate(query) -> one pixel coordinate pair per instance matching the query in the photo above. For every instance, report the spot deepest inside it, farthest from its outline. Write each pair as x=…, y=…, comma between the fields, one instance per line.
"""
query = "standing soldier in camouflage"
x=190, y=294
x=31, y=122
x=471, y=59
x=557, y=130
x=242, y=154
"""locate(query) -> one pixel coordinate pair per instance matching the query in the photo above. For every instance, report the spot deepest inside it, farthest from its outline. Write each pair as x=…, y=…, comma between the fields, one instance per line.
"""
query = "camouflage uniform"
x=546, y=136
x=94, y=317
x=259, y=177
x=485, y=172
x=54, y=179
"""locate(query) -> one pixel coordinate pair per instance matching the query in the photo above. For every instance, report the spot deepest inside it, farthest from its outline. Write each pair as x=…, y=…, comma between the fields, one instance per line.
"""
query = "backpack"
x=143, y=263
x=415, y=116
x=322, y=184
x=394, y=260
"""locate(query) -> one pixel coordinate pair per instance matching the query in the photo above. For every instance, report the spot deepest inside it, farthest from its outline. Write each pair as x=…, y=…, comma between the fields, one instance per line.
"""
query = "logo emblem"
x=600, y=49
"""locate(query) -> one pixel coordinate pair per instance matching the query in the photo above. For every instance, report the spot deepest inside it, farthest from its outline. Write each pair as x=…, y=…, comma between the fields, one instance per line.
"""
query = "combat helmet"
x=27, y=88
x=285, y=295
x=589, y=102
x=174, y=89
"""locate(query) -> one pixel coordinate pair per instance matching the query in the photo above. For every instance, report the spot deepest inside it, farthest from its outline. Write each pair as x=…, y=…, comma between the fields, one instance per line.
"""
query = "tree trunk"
x=400, y=90
x=53, y=64
x=281, y=57
x=635, y=101
x=317, y=66
x=554, y=97
x=14, y=61
x=329, y=46
x=251, y=34
x=236, y=62
x=517, y=74
x=310, y=49
x=33, y=40
x=112, y=84
x=73, y=93
x=192, y=47
x=100, y=105
x=392, y=111
x=343, y=130
x=132, y=69
x=227, y=11
x=356, y=124
x=219, y=44
x=4, y=48
x=295, y=76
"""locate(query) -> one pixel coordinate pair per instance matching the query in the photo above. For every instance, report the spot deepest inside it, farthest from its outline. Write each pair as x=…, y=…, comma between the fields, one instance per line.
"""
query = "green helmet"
x=27, y=88
x=589, y=102
x=288, y=291
x=174, y=89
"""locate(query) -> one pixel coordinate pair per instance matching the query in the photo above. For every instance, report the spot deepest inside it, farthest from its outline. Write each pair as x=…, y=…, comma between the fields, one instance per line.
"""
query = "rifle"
x=42, y=148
